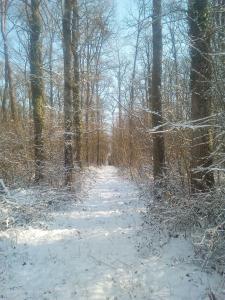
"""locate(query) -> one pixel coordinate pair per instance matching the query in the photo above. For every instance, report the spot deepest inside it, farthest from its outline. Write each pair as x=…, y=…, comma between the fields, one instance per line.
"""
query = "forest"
x=112, y=149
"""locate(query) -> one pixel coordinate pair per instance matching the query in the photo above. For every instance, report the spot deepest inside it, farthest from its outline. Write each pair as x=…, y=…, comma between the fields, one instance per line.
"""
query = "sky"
x=122, y=8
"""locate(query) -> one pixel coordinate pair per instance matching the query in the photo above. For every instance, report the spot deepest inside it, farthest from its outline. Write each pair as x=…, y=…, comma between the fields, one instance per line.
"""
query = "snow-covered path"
x=90, y=251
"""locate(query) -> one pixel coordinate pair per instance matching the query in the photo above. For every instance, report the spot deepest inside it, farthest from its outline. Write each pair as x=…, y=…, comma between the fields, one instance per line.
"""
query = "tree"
x=4, y=5
x=157, y=121
x=132, y=94
x=37, y=87
x=67, y=54
x=202, y=177
x=76, y=85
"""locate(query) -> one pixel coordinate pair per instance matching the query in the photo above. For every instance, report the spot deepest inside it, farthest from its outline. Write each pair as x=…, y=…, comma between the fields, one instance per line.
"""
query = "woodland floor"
x=96, y=250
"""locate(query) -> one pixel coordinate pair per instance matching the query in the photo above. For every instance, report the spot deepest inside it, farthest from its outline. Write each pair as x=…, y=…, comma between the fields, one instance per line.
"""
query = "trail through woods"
x=93, y=250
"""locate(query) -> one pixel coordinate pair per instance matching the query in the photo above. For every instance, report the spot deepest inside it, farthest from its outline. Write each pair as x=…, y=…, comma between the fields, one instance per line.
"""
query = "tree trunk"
x=87, y=106
x=67, y=42
x=4, y=98
x=37, y=88
x=98, y=117
x=202, y=178
x=158, y=137
x=132, y=96
x=77, y=119
x=51, y=96
x=8, y=72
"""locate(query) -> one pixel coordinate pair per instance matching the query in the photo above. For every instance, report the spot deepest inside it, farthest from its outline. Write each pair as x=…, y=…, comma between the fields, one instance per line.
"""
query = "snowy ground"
x=92, y=250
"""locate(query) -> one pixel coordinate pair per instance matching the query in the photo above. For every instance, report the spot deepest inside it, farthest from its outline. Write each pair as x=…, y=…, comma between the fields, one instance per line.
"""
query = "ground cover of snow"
x=93, y=250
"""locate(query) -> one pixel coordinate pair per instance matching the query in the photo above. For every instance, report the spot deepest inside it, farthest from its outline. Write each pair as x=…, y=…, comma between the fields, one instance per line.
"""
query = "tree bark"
x=158, y=137
x=4, y=97
x=51, y=95
x=87, y=105
x=67, y=43
x=77, y=118
x=37, y=88
x=8, y=71
x=132, y=94
x=202, y=178
x=98, y=119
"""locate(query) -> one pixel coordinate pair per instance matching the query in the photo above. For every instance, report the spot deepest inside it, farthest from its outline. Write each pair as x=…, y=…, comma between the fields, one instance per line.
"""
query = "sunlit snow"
x=89, y=251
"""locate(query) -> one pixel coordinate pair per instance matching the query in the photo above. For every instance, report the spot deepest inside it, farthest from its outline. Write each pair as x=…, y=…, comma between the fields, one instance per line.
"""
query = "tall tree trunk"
x=8, y=72
x=98, y=104
x=202, y=178
x=174, y=54
x=98, y=117
x=67, y=43
x=87, y=105
x=51, y=96
x=76, y=86
x=4, y=98
x=37, y=88
x=148, y=84
x=132, y=96
x=158, y=137
x=119, y=98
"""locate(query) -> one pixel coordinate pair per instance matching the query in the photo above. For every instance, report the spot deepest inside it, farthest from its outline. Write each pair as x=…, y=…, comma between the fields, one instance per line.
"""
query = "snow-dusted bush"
x=201, y=217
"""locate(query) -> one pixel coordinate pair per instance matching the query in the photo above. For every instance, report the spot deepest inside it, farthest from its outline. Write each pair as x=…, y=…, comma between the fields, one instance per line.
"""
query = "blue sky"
x=123, y=7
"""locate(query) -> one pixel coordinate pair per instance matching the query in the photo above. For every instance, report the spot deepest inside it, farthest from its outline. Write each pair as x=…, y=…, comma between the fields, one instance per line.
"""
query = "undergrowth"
x=200, y=217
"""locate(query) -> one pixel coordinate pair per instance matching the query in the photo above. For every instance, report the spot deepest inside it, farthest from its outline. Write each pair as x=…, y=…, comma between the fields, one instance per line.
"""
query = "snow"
x=95, y=250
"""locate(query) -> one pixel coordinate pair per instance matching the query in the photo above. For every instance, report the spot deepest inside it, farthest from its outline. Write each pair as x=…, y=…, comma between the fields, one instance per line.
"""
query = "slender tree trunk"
x=51, y=98
x=67, y=42
x=4, y=97
x=120, y=74
x=158, y=137
x=132, y=99
x=76, y=87
x=87, y=104
x=202, y=178
x=174, y=53
x=98, y=125
x=148, y=85
x=11, y=86
x=8, y=72
x=119, y=100
x=37, y=88
x=98, y=104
